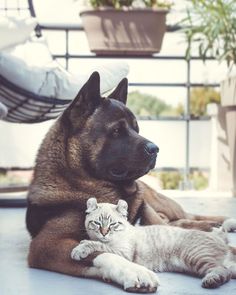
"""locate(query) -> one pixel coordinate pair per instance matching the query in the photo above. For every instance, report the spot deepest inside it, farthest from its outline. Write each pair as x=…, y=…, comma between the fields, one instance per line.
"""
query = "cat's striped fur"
x=158, y=247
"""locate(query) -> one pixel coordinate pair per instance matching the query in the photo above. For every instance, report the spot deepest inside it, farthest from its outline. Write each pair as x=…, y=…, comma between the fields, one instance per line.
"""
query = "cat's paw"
x=216, y=277
x=141, y=280
x=229, y=225
x=81, y=251
x=133, y=277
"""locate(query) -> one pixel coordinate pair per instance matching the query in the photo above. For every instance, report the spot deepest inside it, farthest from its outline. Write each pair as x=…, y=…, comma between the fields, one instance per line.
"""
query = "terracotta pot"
x=124, y=31
x=228, y=101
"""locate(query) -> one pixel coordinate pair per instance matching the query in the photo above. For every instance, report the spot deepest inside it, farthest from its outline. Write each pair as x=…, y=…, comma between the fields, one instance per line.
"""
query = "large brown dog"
x=94, y=149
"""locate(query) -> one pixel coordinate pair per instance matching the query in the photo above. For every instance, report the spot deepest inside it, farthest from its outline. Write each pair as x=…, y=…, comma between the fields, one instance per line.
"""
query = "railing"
x=187, y=84
x=187, y=118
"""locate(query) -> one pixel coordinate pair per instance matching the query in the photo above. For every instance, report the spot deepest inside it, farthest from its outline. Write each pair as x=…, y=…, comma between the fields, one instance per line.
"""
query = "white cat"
x=158, y=247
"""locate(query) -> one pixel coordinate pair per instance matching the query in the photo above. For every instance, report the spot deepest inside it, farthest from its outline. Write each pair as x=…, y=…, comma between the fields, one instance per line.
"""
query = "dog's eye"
x=116, y=132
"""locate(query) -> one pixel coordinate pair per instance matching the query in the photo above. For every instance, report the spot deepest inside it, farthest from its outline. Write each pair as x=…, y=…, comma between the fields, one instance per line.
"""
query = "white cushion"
x=15, y=30
x=31, y=67
x=34, y=52
x=111, y=74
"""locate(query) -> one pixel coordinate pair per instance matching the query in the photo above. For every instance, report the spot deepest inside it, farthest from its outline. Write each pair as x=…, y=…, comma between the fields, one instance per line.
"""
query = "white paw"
x=140, y=278
x=229, y=225
x=133, y=277
x=82, y=250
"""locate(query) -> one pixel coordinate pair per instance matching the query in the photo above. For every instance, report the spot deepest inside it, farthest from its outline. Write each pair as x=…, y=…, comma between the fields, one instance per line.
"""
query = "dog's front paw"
x=209, y=225
x=81, y=251
x=229, y=225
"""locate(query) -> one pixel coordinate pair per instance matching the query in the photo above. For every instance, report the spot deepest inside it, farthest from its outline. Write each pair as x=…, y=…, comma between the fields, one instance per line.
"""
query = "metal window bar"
x=188, y=85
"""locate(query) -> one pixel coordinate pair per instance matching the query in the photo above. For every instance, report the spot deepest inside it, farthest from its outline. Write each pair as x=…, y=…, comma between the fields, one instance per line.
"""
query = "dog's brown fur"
x=63, y=181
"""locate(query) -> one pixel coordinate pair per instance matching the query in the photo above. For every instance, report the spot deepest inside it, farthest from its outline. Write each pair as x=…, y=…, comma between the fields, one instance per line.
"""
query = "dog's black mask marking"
x=123, y=155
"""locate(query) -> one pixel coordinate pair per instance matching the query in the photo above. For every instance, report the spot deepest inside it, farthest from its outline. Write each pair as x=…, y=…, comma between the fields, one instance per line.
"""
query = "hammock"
x=27, y=107
x=24, y=106
x=36, y=93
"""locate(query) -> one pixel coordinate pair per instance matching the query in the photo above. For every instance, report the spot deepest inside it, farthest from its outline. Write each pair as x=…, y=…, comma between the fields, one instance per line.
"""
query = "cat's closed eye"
x=116, y=226
x=94, y=225
x=97, y=223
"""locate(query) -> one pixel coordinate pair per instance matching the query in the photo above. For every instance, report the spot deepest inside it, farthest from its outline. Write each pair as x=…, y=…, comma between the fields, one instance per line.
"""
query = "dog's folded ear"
x=87, y=100
x=121, y=91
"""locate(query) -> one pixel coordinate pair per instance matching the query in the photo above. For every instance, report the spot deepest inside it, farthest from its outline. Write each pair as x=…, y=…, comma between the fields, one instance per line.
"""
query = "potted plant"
x=211, y=25
x=123, y=28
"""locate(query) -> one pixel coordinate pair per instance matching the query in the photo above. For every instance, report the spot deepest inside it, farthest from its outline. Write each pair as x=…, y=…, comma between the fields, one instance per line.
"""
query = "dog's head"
x=103, y=135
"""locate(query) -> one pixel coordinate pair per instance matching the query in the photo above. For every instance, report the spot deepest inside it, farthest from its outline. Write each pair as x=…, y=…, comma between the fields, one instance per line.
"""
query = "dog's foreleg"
x=204, y=225
x=228, y=224
x=218, y=219
x=150, y=216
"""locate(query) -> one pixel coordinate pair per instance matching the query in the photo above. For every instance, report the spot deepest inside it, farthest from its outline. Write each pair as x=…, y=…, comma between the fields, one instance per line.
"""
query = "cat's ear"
x=91, y=205
x=122, y=208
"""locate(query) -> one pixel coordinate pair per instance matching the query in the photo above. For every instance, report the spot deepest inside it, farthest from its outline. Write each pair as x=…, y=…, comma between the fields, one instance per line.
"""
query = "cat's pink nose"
x=104, y=231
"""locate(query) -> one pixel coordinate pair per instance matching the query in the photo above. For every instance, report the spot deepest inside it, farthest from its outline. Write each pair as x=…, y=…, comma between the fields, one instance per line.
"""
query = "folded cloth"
x=3, y=110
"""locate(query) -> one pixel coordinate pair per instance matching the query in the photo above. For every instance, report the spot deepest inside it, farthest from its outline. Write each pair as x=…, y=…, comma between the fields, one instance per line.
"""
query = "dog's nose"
x=151, y=148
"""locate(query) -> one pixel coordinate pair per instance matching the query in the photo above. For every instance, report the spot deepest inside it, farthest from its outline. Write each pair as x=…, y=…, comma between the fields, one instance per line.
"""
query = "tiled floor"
x=17, y=279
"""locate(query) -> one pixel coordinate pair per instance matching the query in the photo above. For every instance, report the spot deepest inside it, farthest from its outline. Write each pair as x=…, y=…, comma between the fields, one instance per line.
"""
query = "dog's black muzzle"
x=151, y=149
x=137, y=164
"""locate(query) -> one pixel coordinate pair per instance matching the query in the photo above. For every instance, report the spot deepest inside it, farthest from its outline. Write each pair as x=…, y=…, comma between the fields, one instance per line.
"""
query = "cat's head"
x=105, y=221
